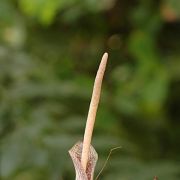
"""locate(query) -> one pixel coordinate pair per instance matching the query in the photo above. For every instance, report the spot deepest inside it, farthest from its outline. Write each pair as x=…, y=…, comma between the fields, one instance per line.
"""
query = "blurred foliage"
x=49, y=53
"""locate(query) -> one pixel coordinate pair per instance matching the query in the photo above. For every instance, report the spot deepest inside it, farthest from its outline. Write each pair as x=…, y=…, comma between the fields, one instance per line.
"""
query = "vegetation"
x=49, y=55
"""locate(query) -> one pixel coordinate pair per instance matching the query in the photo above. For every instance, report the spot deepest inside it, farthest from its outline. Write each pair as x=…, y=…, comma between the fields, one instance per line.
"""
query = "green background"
x=49, y=55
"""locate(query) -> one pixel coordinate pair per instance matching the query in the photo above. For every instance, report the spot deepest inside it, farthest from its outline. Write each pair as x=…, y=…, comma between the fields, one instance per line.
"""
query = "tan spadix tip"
x=92, y=111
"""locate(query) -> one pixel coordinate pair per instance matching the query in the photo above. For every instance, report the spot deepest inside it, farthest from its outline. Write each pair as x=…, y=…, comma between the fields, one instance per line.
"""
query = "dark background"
x=49, y=55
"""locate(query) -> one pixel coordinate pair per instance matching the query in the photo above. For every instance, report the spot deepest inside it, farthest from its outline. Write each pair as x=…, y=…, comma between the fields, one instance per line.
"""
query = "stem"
x=92, y=111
